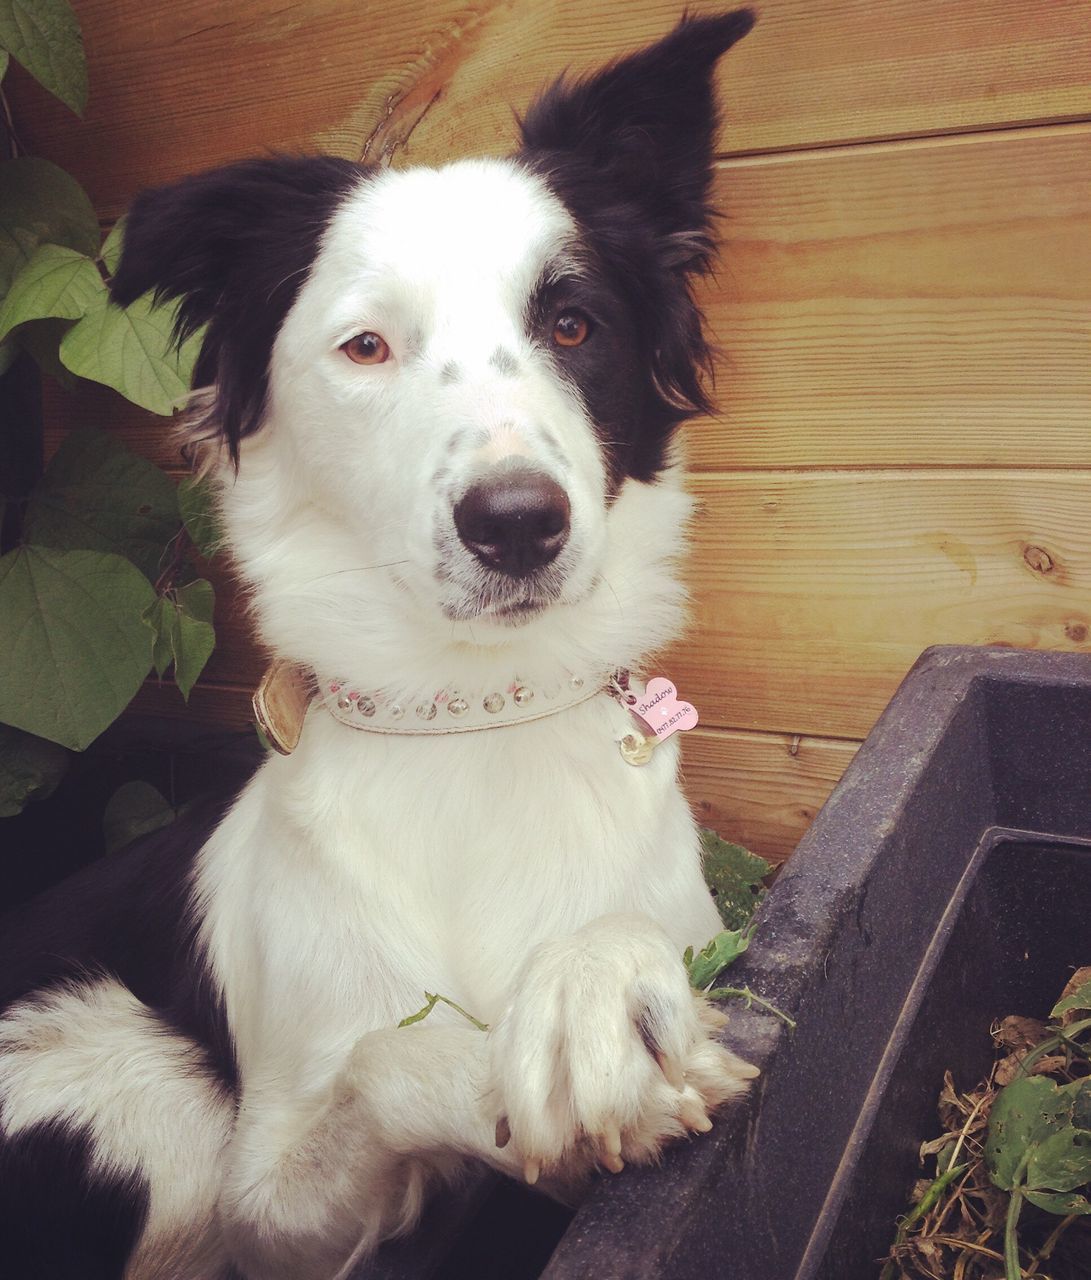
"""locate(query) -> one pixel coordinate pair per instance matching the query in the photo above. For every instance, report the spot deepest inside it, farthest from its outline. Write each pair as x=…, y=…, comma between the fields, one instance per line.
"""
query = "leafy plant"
x=1039, y=1141
x=100, y=552
x=735, y=877
x=1019, y=1142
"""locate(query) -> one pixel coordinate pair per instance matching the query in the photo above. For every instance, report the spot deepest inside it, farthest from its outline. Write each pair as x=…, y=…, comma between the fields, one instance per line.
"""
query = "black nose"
x=515, y=520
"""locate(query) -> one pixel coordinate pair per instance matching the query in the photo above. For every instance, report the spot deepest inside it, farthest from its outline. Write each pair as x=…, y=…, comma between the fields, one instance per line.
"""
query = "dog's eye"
x=366, y=348
x=571, y=329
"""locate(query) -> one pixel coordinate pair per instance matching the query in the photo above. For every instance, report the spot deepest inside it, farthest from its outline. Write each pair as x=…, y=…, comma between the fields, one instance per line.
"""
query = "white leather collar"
x=449, y=710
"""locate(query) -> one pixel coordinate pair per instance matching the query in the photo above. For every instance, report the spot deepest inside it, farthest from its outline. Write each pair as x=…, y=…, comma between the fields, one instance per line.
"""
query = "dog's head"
x=453, y=384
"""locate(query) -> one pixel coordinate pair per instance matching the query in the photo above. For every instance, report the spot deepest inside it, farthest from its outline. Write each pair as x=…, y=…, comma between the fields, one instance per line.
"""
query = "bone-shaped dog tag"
x=658, y=714
x=662, y=711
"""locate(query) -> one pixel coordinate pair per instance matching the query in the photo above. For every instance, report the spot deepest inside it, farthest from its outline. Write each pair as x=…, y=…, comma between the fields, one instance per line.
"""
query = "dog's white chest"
x=452, y=857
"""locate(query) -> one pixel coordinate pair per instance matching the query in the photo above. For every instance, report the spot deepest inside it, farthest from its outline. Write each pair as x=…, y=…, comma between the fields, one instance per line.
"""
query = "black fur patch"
x=128, y=915
x=629, y=152
x=57, y=1222
x=236, y=245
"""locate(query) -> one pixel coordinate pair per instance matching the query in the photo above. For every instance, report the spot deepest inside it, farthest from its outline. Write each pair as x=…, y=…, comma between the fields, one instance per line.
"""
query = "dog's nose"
x=515, y=520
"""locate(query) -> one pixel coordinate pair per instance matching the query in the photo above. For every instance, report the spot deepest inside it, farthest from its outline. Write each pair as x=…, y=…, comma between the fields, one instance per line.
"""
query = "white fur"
x=527, y=873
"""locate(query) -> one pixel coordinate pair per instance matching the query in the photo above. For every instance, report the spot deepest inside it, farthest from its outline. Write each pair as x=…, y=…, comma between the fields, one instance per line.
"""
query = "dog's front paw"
x=605, y=1053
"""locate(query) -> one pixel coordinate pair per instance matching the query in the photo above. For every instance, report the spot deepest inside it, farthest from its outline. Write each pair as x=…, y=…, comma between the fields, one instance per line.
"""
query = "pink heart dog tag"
x=661, y=711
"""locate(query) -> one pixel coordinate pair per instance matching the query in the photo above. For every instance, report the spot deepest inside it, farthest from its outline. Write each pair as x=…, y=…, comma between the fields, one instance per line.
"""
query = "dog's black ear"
x=647, y=123
x=233, y=245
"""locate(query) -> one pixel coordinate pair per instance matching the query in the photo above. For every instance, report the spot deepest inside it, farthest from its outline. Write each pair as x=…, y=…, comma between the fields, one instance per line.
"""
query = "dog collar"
x=451, y=710
x=287, y=690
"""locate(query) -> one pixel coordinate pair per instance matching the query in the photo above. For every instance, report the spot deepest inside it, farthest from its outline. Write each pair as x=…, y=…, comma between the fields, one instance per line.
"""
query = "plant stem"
x=927, y=1201
x=1012, y=1270
x=433, y=999
x=744, y=993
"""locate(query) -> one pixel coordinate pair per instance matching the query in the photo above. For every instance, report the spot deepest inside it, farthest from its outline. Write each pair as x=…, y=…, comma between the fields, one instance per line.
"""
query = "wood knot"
x=1038, y=559
x=1076, y=631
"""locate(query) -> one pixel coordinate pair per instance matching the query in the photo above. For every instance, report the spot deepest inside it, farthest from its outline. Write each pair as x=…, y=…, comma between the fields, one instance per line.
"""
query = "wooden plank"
x=761, y=790
x=814, y=593
x=179, y=87
x=905, y=305
x=899, y=305
x=225, y=706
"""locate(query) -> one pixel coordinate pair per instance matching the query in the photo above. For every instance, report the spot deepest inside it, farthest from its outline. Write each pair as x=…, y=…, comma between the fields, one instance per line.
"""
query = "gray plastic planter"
x=947, y=882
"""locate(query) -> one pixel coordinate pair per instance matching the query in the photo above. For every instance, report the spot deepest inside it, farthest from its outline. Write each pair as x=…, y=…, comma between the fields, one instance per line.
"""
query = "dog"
x=439, y=406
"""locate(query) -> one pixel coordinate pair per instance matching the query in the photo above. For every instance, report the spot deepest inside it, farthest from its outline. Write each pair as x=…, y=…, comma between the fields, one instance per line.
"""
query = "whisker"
x=364, y=568
x=617, y=598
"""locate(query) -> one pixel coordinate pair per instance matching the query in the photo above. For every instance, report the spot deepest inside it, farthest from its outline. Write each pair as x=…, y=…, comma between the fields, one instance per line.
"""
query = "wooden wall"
x=903, y=451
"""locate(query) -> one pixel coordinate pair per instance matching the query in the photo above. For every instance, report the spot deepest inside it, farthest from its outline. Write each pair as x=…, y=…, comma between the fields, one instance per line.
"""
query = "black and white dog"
x=440, y=405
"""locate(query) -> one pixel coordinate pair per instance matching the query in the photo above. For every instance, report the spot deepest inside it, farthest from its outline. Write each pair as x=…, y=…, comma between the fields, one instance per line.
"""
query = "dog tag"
x=280, y=704
x=636, y=748
x=662, y=711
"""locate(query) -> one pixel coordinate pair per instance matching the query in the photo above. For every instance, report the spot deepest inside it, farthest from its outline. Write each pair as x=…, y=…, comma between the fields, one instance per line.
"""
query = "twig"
x=1046, y=1251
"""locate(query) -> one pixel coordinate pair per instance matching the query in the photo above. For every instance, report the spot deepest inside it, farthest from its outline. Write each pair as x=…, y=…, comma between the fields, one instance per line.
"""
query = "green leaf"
x=131, y=349
x=110, y=253
x=30, y=769
x=41, y=204
x=55, y=282
x=135, y=809
x=1079, y=1000
x=160, y=616
x=3, y=63
x=1061, y=1204
x=200, y=515
x=1026, y=1112
x=96, y=495
x=44, y=36
x=181, y=623
x=734, y=875
x=724, y=949
x=196, y=637
x=75, y=650
x=1062, y=1162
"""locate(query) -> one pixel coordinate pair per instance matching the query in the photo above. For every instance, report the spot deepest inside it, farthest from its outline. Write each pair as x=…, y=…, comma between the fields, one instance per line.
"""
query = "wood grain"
x=761, y=790
x=180, y=87
x=815, y=593
x=912, y=304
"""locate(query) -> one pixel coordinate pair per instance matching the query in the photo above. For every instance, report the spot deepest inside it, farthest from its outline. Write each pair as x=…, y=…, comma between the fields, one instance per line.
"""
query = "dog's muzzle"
x=514, y=520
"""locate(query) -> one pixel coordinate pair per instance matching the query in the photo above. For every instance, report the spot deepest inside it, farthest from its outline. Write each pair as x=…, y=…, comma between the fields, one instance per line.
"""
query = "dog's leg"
x=305, y=1193
x=605, y=1053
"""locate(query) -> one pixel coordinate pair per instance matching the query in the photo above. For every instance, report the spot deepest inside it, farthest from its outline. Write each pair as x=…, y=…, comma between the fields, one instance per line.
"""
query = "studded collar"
x=450, y=710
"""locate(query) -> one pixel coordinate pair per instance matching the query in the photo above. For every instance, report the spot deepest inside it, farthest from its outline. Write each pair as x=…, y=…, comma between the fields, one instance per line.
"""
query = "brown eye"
x=366, y=348
x=571, y=329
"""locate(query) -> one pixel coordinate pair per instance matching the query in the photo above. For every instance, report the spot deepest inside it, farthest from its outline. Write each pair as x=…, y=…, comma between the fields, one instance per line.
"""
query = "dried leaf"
x=1020, y=1033
x=1075, y=998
